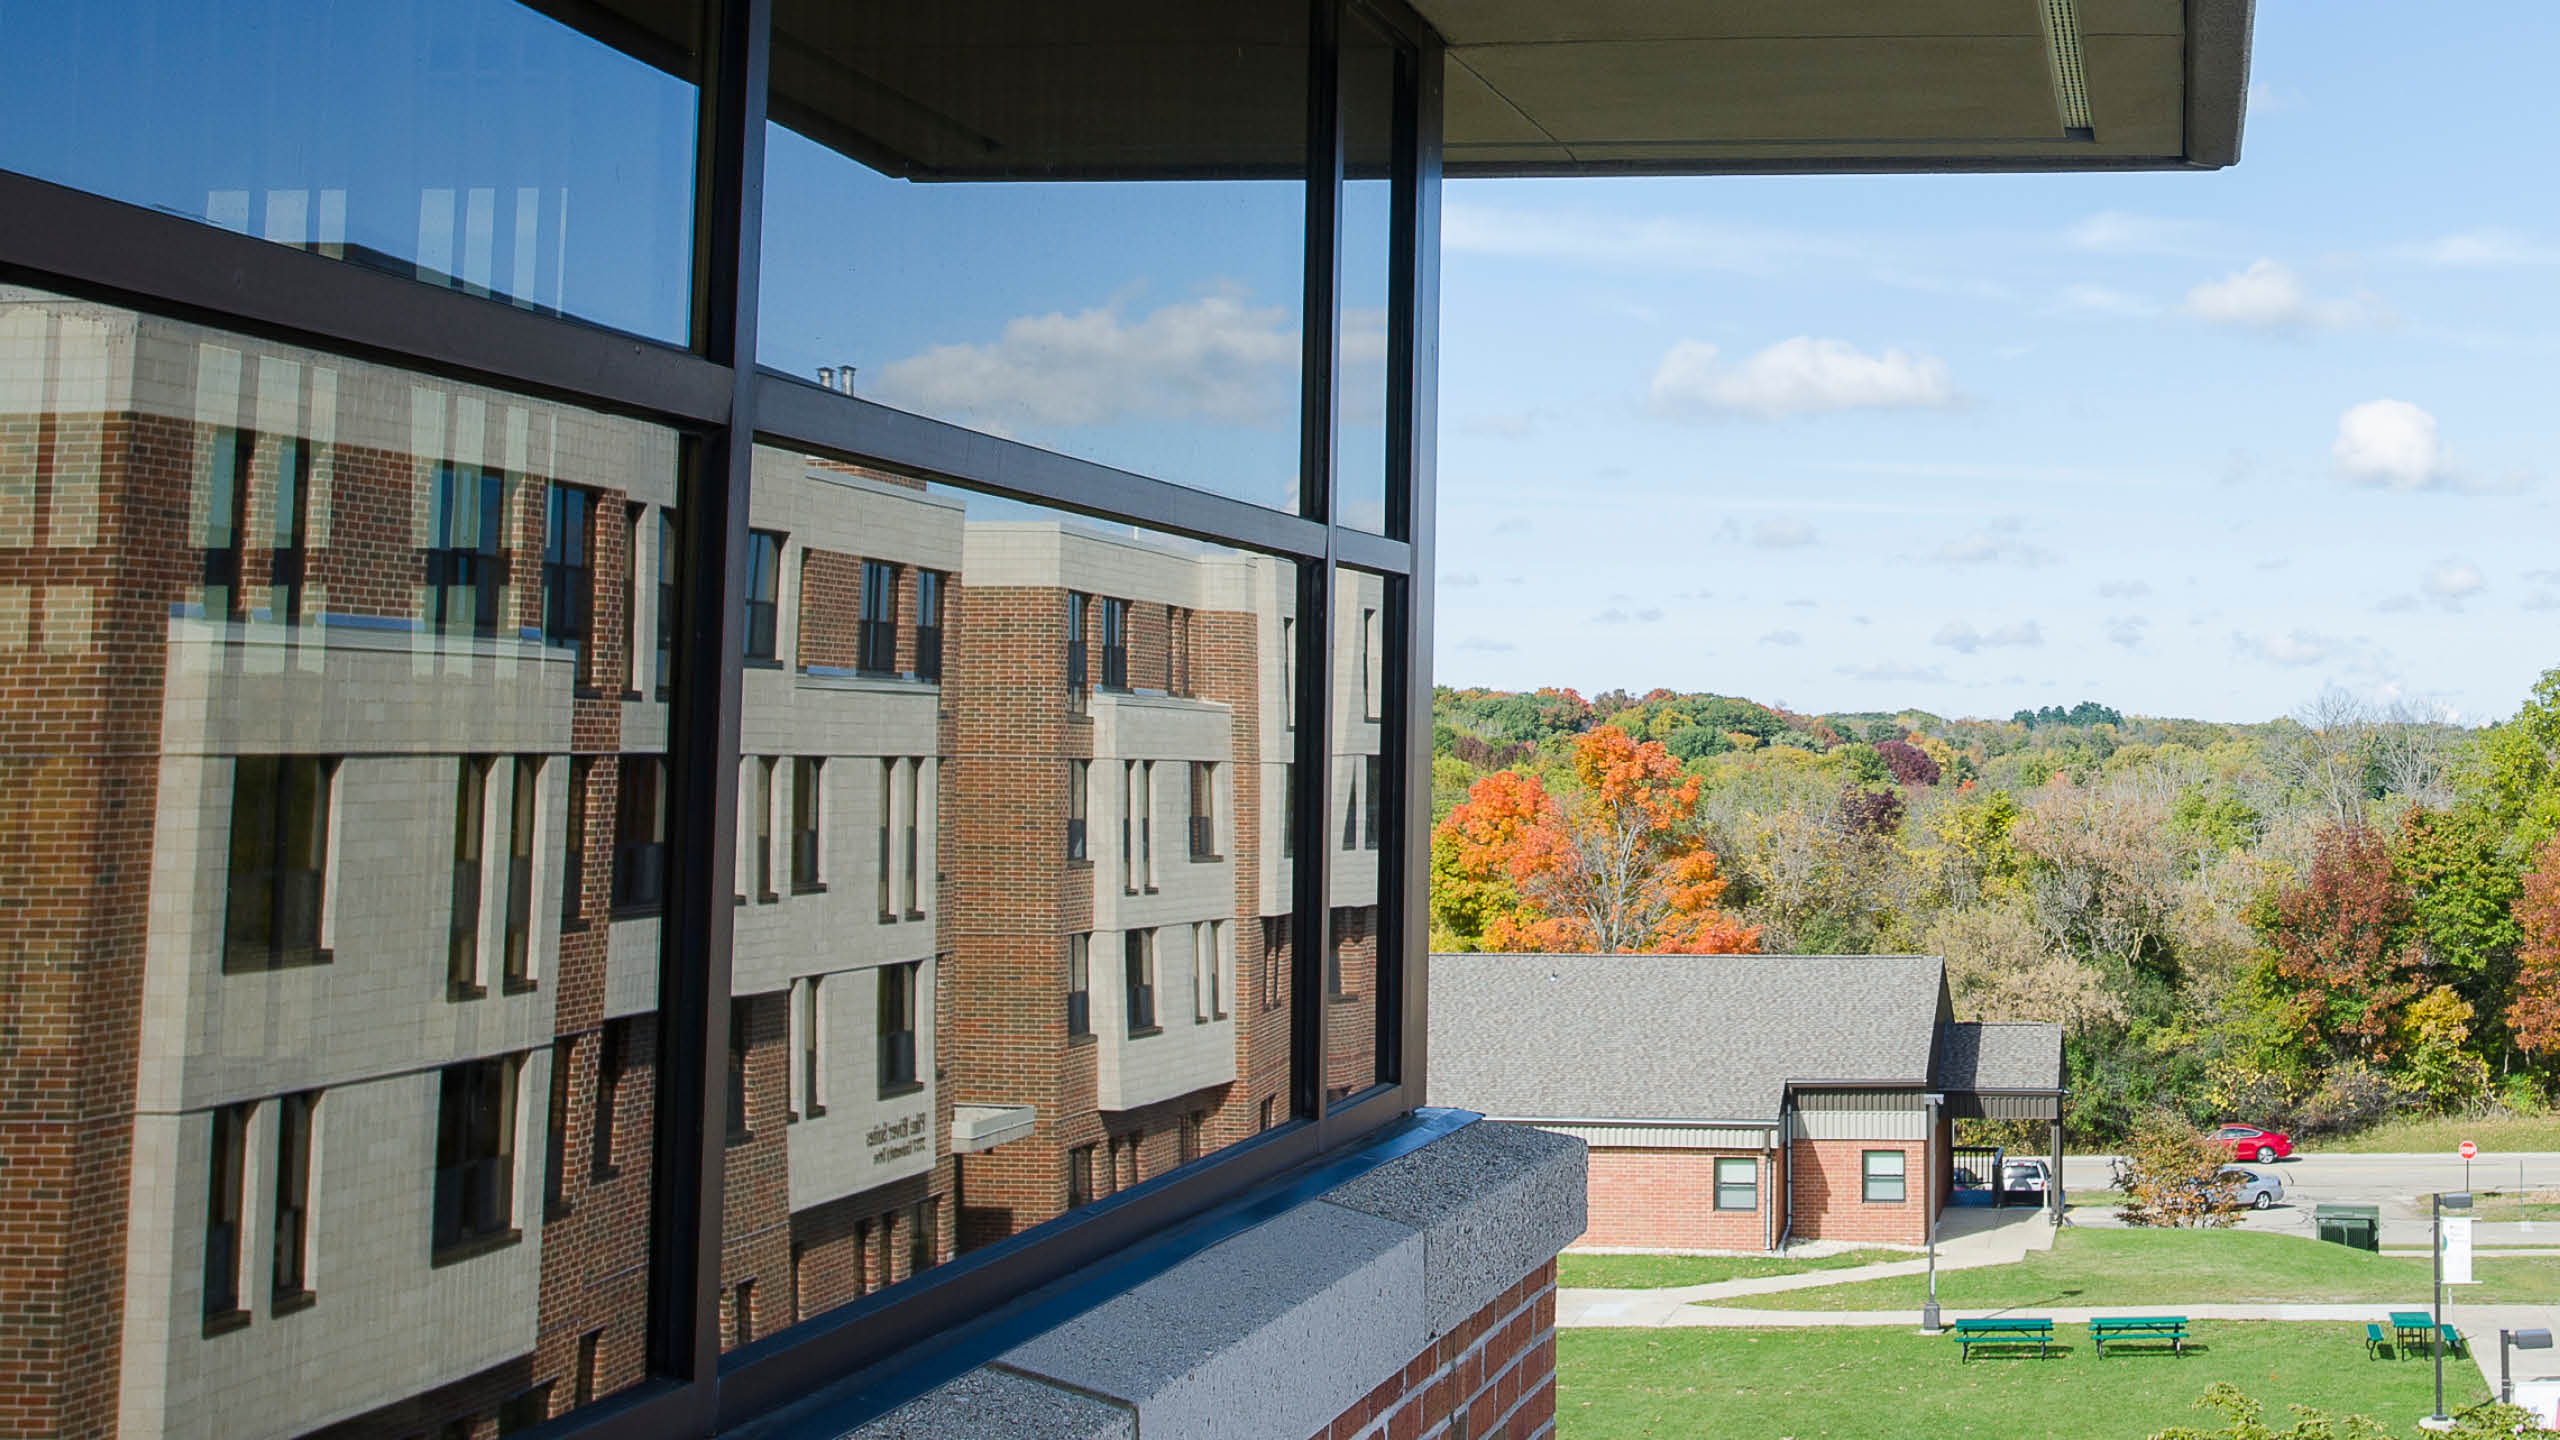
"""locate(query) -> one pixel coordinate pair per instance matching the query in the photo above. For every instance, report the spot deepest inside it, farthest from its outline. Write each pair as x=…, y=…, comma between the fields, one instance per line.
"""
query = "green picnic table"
x=2411, y=1328
x=2004, y=1330
x=2121, y=1328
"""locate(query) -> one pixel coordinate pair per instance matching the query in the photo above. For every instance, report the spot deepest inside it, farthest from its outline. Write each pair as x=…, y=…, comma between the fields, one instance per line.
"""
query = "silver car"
x=2257, y=1189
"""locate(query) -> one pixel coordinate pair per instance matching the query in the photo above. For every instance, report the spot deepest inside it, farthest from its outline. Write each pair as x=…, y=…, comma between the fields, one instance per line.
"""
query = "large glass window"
x=1358, y=827
x=1371, y=60
x=993, y=240
x=343, y=838
x=481, y=147
x=1018, y=935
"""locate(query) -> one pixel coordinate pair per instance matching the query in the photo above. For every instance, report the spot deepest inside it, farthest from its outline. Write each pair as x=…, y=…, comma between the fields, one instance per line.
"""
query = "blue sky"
x=2194, y=444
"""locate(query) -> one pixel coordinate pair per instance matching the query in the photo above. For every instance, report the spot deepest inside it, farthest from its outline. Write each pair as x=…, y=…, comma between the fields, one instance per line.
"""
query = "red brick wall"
x=1827, y=1190
x=1665, y=1199
x=830, y=606
x=1491, y=1378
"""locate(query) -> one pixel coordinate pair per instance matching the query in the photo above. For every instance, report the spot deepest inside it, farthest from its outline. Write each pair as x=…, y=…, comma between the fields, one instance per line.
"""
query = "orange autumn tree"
x=2534, y=1014
x=1613, y=865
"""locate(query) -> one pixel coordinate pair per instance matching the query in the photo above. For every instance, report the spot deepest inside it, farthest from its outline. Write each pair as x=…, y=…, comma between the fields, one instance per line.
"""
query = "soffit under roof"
x=1708, y=86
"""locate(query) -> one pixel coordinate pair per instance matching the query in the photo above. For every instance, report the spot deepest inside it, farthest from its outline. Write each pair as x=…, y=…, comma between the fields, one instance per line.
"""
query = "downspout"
x=1786, y=1154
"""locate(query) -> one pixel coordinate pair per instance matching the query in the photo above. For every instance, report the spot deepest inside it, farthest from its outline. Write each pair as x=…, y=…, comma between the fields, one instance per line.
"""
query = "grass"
x=1869, y=1382
x=2181, y=1267
x=2514, y=1205
x=2441, y=1134
x=1655, y=1272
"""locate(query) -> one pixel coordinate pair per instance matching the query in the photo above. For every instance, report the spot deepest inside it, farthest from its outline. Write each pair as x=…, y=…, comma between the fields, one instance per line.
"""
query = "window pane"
x=329, y=810
x=1369, y=68
x=1356, y=836
x=479, y=147
x=993, y=243
x=998, y=1029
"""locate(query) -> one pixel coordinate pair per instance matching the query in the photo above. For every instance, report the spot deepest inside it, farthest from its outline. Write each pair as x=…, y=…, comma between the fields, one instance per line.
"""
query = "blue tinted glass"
x=1086, y=234
x=1368, y=241
x=480, y=146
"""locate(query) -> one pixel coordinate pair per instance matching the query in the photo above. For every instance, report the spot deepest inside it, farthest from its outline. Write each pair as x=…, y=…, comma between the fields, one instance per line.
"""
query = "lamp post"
x=2440, y=1203
x=2521, y=1340
x=1929, y=1208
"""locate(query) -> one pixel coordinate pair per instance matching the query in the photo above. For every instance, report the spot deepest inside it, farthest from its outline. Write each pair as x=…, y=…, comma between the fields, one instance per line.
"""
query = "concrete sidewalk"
x=1967, y=1239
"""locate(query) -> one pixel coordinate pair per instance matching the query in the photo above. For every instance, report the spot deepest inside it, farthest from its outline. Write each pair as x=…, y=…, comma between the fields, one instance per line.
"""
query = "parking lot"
x=2399, y=1184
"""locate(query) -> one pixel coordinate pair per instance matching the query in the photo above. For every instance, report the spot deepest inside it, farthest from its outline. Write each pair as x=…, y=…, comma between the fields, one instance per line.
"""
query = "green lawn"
x=2180, y=1267
x=1656, y=1272
x=2511, y=1205
x=2441, y=1135
x=1873, y=1382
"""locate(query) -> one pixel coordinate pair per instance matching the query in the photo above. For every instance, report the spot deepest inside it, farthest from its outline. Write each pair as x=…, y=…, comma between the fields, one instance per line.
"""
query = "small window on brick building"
x=289, y=1267
x=1262, y=1115
x=1373, y=784
x=924, y=1225
x=1177, y=651
x=742, y=1311
x=808, y=1050
x=1129, y=826
x=1115, y=644
x=287, y=562
x=1204, y=811
x=1275, y=959
x=875, y=650
x=1079, y=779
x=1881, y=1176
x=640, y=836
x=634, y=520
x=1737, y=1184
x=555, y=1131
x=590, y=1362
x=475, y=1158
x=226, y=1171
x=525, y=1409
x=898, y=1027
x=524, y=794
x=929, y=597
x=573, y=844
x=569, y=577
x=279, y=859
x=762, y=800
x=1192, y=1126
x=1079, y=985
x=1078, y=676
x=764, y=593
x=612, y=1047
x=1138, y=977
x=470, y=824
x=1146, y=807
x=666, y=677
x=465, y=569
x=808, y=809
x=225, y=540
x=1080, y=1176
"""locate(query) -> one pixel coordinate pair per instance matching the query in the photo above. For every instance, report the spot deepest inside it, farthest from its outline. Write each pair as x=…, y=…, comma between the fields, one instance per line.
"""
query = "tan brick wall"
x=1665, y=1199
x=1493, y=1377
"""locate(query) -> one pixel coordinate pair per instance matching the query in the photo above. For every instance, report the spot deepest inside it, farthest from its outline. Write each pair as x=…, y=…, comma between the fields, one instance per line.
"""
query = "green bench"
x=2013, y=1330
x=2123, y=1328
x=2374, y=1340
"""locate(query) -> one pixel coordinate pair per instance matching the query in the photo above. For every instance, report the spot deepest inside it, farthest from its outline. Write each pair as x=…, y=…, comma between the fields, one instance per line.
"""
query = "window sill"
x=1199, y=859
x=1141, y=1032
x=583, y=691
x=638, y=912
x=902, y=1089
x=888, y=917
x=1079, y=862
x=915, y=915
x=767, y=897
x=737, y=1138
x=601, y=1174
x=520, y=985
x=322, y=955
x=473, y=1249
x=1345, y=997
x=1079, y=1037
x=458, y=991
x=293, y=1304
x=225, y=1322
x=814, y=887
x=762, y=662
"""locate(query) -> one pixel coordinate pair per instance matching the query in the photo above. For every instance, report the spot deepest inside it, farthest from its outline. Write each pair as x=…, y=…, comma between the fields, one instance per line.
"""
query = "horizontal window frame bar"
x=794, y=412
x=54, y=236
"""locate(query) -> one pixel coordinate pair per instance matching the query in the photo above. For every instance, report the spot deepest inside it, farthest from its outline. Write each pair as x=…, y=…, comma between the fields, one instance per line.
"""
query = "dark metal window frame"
x=1869, y=1181
x=1749, y=1187
x=721, y=403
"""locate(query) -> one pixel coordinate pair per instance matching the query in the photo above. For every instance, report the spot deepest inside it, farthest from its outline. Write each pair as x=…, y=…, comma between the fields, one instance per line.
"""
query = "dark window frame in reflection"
x=289, y=1262
x=476, y=563
x=474, y=1192
x=808, y=821
x=640, y=837
x=569, y=577
x=263, y=926
x=1138, y=967
x=763, y=580
x=876, y=632
x=470, y=844
x=1080, y=985
x=515, y=956
x=225, y=1239
x=929, y=600
x=1115, y=644
x=897, y=1029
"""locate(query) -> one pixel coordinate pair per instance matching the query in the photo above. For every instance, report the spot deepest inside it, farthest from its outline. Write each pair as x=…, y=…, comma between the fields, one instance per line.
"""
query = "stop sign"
x=2468, y=1150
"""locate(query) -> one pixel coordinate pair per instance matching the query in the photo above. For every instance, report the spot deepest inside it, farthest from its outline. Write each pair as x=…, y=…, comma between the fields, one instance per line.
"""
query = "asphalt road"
x=2399, y=1184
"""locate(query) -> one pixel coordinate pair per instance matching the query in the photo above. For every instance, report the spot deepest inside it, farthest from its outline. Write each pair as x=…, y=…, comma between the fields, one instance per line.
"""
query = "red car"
x=2248, y=1142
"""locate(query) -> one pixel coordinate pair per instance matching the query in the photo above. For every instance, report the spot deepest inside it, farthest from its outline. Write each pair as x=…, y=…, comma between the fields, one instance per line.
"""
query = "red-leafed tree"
x=2533, y=1012
x=2343, y=941
x=1909, y=763
x=1615, y=864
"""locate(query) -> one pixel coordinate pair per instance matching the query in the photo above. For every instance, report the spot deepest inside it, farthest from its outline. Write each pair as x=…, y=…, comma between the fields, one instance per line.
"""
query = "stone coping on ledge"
x=1273, y=1332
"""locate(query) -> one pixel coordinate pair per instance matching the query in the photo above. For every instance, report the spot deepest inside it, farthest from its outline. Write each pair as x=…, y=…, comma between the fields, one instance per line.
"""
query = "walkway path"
x=1968, y=1239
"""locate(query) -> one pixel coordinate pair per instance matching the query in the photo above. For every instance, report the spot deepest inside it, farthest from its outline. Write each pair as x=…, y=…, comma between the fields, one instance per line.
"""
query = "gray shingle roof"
x=1663, y=1037
x=1986, y=1056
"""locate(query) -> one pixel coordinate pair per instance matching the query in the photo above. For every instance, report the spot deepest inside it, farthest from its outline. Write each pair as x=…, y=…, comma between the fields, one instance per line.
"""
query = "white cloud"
x=2123, y=589
x=1801, y=376
x=1782, y=637
x=2268, y=296
x=2451, y=582
x=1479, y=642
x=1781, y=532
x=2103, y=301
x=2391, y=444
x=1961, y=637
x=1896, y=673
x=1998, y=542
x=1217, y=358
x=2491, y=247
x=2126, y=630
x=2115, y=232
x=2292, y=649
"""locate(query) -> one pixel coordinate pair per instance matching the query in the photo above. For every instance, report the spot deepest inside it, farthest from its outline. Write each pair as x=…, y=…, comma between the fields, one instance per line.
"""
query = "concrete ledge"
x=1274, y=1332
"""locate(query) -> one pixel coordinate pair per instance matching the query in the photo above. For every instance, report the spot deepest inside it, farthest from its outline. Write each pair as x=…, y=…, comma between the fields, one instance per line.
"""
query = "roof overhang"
x=1693, y=87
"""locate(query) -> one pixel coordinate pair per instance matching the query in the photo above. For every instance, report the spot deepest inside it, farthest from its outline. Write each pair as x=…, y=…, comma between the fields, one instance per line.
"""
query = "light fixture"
x=2069, y=66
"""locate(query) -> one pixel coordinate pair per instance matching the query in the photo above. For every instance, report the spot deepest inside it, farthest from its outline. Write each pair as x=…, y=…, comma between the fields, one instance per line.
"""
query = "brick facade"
x=1491, y=1378
x=1826, y=1187
x=1665, y=1199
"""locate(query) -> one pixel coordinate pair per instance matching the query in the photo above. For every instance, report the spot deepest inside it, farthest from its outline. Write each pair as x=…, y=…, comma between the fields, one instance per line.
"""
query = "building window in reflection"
x=764, y=584
x=929, y=585
x=568, y=577
x=466, y=564
x=898, y=1028
x=290, y=1265
x=808, y=777
x=475, y=1158
x=470, y=823
x=876, y=635
x=640, y=836
x=279, y=862
x=223, y=1251
x=1140, y=965
x=1115, y=644
x=1079, y=985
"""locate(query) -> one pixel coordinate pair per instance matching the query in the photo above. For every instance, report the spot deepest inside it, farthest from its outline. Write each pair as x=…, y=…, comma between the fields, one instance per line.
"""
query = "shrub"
x=2172, y=1177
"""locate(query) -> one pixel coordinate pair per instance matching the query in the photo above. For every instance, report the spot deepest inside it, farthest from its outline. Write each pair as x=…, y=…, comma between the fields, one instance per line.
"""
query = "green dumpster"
x=2358, y=1227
